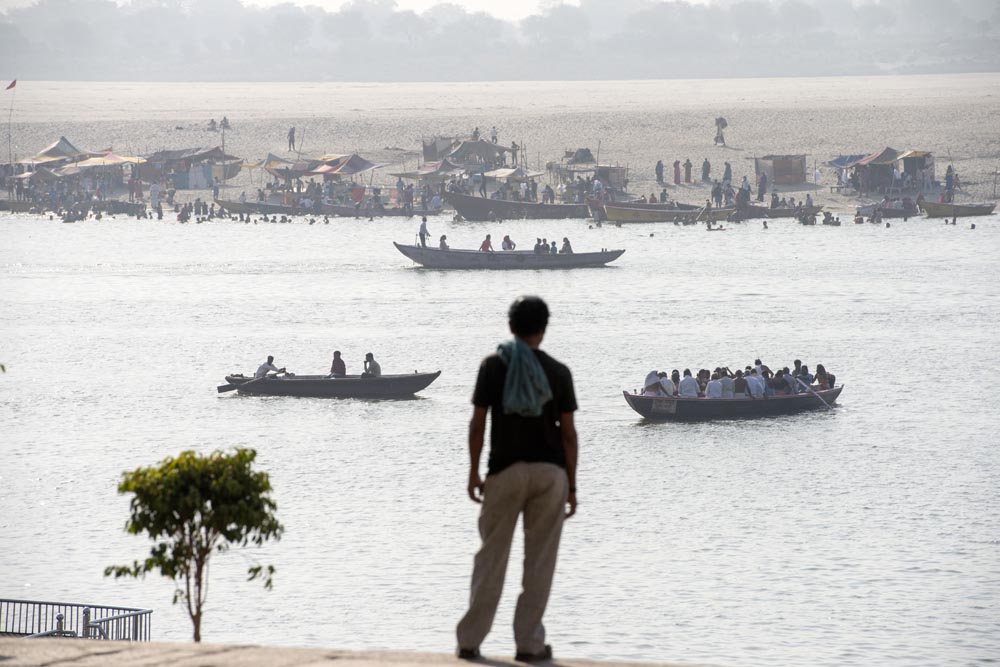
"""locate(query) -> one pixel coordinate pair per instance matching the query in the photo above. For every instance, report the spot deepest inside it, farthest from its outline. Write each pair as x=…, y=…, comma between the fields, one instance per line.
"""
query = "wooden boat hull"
x=433, y=258
x=15, y=206
x=937, y=210
x=483, y=209
x=628, y=214
x=321, y=386
x=663, y=408
x=266, y=208
x=754, y=212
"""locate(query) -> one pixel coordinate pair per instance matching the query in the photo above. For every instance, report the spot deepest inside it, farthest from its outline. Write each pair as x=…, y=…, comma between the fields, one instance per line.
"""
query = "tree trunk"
x=196, y=622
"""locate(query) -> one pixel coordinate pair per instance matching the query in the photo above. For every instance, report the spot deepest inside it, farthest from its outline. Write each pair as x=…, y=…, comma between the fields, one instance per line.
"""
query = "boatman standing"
x=531, y=472
x=267, y=366
x=291, y=138
x=423, y=233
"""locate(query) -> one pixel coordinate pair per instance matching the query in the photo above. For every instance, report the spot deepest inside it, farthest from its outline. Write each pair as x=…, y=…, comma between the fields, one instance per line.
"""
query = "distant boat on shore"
x=938, y=210
x=485, y=209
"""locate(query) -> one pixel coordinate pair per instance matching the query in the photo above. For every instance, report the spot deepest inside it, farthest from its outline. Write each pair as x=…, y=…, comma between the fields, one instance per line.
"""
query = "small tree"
x=194, y=505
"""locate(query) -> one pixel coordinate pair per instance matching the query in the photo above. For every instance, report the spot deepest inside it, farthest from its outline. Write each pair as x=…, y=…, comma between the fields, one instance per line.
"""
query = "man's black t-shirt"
x=515, y=438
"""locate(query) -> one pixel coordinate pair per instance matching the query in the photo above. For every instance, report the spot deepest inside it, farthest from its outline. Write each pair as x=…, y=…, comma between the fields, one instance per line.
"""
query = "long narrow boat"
x=666, y=408
x=756, y=212
x=615, y=213
x=482, y=208
x=326, y=209
x=433, y=258
x=936, y=210
x=324, y=386
x=15, y=206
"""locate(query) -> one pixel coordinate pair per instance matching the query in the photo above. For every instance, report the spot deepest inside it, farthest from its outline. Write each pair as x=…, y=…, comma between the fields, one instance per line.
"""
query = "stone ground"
x=91, y=653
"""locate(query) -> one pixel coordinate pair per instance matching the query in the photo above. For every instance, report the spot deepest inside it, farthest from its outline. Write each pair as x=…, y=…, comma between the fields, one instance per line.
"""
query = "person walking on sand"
x=531, y=471
x=687, y=170
x=291, y=138
x=677, y=172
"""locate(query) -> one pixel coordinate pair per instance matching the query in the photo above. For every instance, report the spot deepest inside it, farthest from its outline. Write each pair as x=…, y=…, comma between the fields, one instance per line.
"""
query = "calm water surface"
x=866, y=536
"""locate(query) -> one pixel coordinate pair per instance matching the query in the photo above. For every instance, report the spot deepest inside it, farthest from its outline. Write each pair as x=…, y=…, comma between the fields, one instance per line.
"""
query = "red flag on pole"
x=11, y=84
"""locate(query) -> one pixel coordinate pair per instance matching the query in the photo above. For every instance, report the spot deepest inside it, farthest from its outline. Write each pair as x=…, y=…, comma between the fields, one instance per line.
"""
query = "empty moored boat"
x=938, y=210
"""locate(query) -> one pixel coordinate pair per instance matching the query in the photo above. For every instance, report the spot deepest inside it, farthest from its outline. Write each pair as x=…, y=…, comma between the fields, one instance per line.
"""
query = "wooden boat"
x=628, y=214
x=324, y=386
x=267, y=208
x=15, y=206
x=907, y=210
x=481, y=208
x=757, y=212
x=936, y=210
x=665, y=408
x=434, y=258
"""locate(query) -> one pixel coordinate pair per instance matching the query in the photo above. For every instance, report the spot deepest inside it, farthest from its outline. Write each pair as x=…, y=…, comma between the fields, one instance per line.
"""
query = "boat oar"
x=811, y=391
x=230, y=387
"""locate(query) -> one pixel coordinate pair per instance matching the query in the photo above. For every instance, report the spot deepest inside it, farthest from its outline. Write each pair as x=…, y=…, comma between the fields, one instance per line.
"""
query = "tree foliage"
x=192, y=506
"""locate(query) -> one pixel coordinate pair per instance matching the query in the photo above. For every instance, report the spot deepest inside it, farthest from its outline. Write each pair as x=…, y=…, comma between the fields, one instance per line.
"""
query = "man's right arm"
x=477, y=432
x=567, y=432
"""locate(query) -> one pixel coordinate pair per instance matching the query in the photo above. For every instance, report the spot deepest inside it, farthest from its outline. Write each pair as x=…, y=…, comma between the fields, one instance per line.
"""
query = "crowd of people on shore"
x=756, y=381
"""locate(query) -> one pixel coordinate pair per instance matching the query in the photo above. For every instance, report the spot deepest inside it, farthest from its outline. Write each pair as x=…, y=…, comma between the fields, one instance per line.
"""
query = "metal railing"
x=30, y=618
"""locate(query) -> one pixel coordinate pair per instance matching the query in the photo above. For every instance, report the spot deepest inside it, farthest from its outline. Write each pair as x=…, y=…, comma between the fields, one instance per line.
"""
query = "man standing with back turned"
x=531, y=471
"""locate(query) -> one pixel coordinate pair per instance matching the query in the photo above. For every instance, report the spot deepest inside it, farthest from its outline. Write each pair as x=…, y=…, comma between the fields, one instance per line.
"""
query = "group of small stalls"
x=757, y=381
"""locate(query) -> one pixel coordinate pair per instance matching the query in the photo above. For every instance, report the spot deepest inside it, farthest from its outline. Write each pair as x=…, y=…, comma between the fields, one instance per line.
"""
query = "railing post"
x=135, y=628
x=86, y=623
x=59, y=622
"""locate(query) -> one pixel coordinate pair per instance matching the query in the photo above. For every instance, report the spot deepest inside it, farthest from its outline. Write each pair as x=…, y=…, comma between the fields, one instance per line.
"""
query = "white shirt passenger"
x=713, y=389
x=667, y=386
x=688, y=387
x=756, y=386
x=727, y=386
x=263, y=369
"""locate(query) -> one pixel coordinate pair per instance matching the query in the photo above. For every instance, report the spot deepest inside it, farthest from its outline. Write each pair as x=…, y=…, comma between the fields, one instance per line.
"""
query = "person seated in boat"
x=566, y=249
x=267, y=367
x=443, y=243
x=774, y=200
x=212, y=126
x=553, y=250
x=651, y=386
x=823, y=378
x=805, y=375
x=486, y=245
x=338, y=367
x=740, y=389
x=675, y=377
x=726, y=380
x=372, y=367
x=714, y=387
x=666, y=384
x=688, y=387
x=778, y=384
x=507, y=243
x=225, y=124
x=809, y=199
x=538, y=247
x=755, y=384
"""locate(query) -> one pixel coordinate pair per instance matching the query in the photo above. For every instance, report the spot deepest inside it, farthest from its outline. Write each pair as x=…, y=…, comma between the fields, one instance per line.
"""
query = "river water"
x=867, y=535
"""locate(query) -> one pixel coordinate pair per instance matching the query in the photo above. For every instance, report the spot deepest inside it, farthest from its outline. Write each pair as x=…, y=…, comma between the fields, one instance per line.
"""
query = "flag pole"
x=10, y=117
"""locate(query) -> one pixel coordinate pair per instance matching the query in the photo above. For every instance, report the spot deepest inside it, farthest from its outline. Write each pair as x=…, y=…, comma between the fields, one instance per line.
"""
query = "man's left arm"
x=567, y=432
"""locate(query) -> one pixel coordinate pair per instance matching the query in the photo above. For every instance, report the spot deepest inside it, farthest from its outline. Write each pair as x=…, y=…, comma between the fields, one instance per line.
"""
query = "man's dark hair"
x=687, y=372
x=270, y=359
x=528, y=315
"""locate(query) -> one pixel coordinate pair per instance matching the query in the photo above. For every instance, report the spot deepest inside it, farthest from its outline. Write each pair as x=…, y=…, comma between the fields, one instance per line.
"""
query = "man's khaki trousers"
x=538, y=491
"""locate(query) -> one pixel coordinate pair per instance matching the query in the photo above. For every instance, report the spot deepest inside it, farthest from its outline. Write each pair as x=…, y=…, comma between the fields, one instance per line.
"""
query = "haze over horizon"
x=385, y=40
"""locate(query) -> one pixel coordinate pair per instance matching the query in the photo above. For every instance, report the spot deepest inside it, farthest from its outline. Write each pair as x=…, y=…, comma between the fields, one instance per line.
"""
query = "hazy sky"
x=490, y=40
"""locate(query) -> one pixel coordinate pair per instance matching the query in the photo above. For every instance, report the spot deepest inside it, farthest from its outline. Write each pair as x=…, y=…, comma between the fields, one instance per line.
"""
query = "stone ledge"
x=92, y=653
